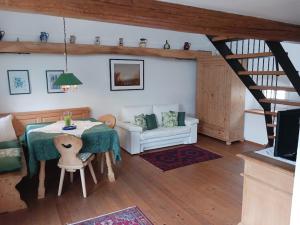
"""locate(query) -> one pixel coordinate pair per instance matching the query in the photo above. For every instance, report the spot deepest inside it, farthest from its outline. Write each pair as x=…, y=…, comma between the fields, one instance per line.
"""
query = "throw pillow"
x=140, y=121
x=7, y=131
x=169, y=119
x=151, y=121
x=181, y=118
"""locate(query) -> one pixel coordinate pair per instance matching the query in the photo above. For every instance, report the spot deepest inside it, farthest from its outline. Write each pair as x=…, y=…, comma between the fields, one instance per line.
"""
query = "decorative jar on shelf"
x=143, y=43
x=167, y=45
x=44, y=36
x=97, y=40
x=186, y=46
x=2, y=32
x=121, y=42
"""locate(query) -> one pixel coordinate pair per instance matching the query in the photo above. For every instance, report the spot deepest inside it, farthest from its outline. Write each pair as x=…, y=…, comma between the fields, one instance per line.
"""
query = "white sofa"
x=134, y=140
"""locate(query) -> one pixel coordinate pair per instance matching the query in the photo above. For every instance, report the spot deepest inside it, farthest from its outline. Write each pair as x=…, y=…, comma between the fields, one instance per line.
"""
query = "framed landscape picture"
x=18, y=82
x=126, y=74
x=51, y=77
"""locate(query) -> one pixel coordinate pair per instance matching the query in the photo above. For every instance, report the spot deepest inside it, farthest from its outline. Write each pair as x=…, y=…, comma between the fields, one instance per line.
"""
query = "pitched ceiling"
x=280, y=10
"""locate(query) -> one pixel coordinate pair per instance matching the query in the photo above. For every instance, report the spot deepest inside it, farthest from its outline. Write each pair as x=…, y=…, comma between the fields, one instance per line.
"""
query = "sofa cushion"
x=10, y=159
x=140, y=121
x=10, y=156
x=169, y=119
x=158, y=109
x=164, y=132
x=151, y=122
x=181, y=118
x=128, y=113
x=7, y=132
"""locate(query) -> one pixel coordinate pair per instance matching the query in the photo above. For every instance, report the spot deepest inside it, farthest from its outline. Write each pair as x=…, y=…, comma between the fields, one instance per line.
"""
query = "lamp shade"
x=67, y=79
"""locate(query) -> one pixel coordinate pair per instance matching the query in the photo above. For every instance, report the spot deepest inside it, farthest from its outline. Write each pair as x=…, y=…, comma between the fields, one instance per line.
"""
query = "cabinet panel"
x=220, y=100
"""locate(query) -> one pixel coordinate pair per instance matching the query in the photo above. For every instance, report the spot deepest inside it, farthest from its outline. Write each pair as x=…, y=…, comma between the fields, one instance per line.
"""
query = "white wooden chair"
x=70, y=161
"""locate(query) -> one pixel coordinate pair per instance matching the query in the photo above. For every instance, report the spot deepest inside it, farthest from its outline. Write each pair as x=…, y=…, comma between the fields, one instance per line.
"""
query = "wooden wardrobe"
x=220, y=100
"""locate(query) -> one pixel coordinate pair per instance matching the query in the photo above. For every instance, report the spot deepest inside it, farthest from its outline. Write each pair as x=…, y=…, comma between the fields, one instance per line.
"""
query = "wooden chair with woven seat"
x=110, y=121
x=71, y=160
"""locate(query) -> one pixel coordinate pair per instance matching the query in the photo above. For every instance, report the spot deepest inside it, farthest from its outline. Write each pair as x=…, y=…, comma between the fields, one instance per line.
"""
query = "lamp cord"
x=65, y=41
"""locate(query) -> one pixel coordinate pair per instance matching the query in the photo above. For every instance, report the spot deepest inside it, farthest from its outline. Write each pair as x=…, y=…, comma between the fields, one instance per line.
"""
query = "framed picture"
x=51, y=77
x=126, y=74
x=18, y=82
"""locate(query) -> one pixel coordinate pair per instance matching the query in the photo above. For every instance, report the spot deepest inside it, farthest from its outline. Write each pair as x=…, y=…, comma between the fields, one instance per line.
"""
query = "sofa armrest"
x=129, y=126
x=189, y=121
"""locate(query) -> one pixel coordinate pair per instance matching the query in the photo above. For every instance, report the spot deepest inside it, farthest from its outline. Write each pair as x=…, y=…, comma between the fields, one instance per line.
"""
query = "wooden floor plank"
x=200, y=194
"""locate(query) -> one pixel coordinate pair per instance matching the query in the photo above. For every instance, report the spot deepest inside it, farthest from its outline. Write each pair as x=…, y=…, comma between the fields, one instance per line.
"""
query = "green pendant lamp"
x=66, y=80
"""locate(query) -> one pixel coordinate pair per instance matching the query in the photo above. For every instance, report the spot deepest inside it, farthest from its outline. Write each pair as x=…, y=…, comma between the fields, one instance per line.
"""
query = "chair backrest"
x=109, y=120
x=68, y=146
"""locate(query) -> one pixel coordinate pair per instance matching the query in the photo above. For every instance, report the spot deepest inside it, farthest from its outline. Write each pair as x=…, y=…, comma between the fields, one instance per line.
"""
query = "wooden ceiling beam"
x=155, y=14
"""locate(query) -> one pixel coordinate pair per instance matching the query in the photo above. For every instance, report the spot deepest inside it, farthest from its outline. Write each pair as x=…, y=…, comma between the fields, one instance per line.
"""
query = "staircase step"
x=271, y=125
x=278, y=88
x=271, y=113
x=281, y=102
x=223, y=38
x=260, y=112
x=247, y=73
x=250, y=55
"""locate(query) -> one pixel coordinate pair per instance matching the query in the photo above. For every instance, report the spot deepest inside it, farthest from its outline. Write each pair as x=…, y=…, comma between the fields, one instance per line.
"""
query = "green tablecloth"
x=97, y=139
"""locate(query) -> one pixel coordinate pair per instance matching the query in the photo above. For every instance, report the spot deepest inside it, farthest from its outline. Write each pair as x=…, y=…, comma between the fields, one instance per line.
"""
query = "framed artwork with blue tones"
x=18, y=82
x=51, y=77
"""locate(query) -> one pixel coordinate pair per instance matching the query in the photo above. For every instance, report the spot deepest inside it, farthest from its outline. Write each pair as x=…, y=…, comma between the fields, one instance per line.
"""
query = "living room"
x=40, y=46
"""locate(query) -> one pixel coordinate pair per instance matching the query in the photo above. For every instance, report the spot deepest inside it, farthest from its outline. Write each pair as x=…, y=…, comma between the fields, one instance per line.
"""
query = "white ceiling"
x=280, y=10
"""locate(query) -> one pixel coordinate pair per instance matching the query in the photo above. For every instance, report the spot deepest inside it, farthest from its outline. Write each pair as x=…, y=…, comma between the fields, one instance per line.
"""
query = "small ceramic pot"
x=97, y=40
x=121, y=42
x=167, y=45
x=143, y=43
x=2, y=32
x=44, y=36
x=186, y=46
x=72, y=39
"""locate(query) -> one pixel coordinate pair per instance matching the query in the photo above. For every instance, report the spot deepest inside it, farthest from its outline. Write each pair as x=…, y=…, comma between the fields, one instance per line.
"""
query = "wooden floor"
x=208, y=193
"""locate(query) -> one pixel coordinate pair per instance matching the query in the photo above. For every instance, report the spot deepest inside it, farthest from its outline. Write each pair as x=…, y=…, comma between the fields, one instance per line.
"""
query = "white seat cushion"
x=158, y=109
x=7, y=131
x=165, y=132
x=128, y=113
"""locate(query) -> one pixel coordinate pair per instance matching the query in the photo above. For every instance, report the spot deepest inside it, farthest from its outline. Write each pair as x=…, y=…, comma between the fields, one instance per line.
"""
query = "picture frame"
x=51, y=77
x=126, y=74
x=18, y=82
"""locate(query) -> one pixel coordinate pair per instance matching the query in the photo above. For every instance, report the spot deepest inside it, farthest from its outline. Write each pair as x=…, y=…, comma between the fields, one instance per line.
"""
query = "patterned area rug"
x=179, y=157
x=129, y=216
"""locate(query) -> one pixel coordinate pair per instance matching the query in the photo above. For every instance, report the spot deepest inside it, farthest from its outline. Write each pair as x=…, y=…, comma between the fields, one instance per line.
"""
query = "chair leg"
x=83, y=182
x=61, y=180
x=71, y=177
x=113, y=158
x=92, y=172
x=102, y=162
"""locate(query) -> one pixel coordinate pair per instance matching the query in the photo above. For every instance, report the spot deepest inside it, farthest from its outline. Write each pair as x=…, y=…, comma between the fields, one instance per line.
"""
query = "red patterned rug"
x=179, y=157
x=129, y=216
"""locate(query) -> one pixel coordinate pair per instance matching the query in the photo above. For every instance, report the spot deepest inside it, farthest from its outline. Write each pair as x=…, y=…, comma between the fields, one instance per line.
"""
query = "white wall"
x=166, y=80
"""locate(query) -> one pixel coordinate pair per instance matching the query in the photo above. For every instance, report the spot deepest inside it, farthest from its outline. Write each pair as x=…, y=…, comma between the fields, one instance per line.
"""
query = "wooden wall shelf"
x=86, y=49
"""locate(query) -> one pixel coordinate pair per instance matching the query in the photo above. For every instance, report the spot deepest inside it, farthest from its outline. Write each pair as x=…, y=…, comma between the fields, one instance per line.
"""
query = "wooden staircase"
x=261, y=65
